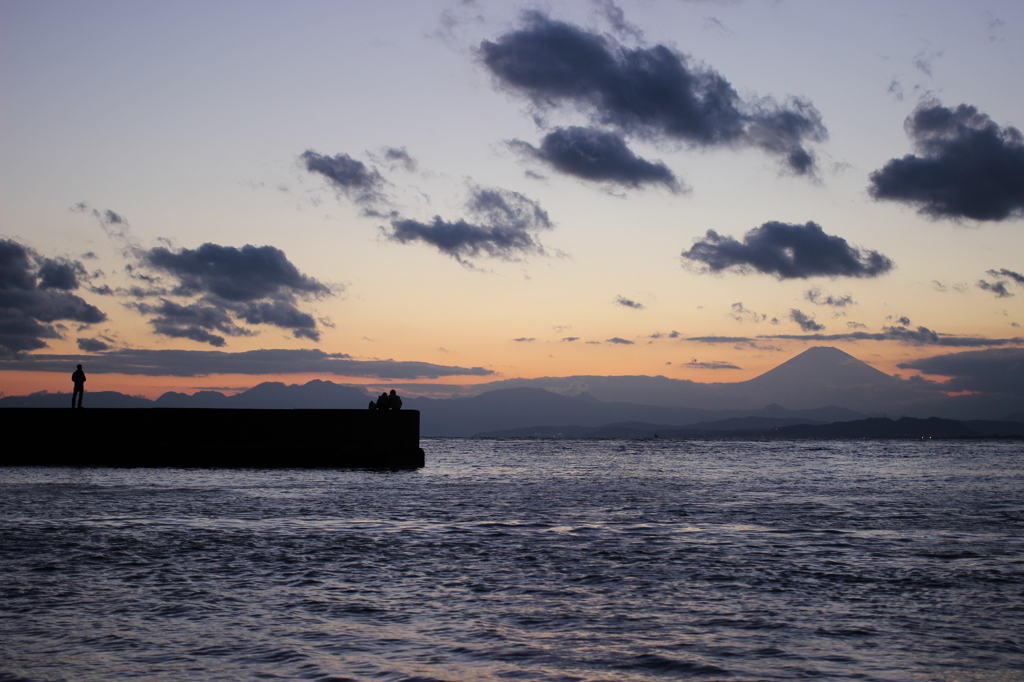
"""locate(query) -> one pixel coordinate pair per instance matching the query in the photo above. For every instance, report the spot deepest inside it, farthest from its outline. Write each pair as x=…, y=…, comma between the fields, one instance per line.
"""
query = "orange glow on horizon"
x=598, y=361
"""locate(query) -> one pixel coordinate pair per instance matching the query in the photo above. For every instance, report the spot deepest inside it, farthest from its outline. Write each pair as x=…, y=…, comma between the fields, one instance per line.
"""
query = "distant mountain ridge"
x=819, y=376
x=821, y=385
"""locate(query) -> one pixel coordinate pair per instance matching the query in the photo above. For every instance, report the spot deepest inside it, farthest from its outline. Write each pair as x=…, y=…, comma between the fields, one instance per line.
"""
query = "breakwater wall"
x=211, y=438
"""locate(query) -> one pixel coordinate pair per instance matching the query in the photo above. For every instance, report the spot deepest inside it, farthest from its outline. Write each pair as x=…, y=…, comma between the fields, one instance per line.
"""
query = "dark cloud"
x=506, y=226
x=1015, y=276
x=571, y=338
x=597, y=155
x=627, y=303
x=720, y=339
x=60, y=274
x=346, y=175
x=400, y=157
x=35, y=293
x=806, y=323
x=195, y=321
x=254, y=284
x=997, y=288
x=652, y=92
x=616, y=339
x=713, y=364
x=815, y=296
x=232, y=274
x=967, y=166
x=281, y=314
x=92, y=345
x=922, y=336
x=997, y=370
x=191, y=363
x=787, y=252
x=525, y=339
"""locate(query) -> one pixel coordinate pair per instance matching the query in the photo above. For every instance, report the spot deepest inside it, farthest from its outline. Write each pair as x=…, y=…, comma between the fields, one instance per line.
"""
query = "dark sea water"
x=527, y=560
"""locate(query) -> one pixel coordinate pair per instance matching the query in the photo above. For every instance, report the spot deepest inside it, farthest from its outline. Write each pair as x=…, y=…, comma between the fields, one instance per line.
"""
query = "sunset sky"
x=451, y=193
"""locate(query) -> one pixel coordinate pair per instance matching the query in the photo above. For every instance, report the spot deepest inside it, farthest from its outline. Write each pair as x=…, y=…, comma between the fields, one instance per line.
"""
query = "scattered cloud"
x=741, y=313
x=92, y=345
x=256, y=285
x=618, y=340
x=815, y=296
x=597, y=155
x=506, y=227
x=398, y=156
x=195, y=321
x=233, y=274
x=347, y=176
x=715, y=25
x=35, y=295
x=1015, y=276
x=713, y=364
x=896, y=89
x=998, y=288
x=191, y=363
x=967, y=166
x=628, y=303
x=788, y=252
x=720, y=339
x=112, y=223
x=996, y=370
x=922, y=336
x=806, y=323
x=958, y=287
x=525, y=339
x=616, y=18
x=648, y=92
x=924, y=60
x=570, y=339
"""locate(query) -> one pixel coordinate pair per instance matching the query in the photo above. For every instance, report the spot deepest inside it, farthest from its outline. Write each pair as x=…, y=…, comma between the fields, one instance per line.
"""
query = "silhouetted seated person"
x=373, y=405
x=79, y=380
x=382, y=403
x=394, y=401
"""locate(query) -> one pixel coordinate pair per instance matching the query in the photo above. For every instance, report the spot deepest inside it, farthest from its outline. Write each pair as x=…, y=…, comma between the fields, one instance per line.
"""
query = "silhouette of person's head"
x=79, y=367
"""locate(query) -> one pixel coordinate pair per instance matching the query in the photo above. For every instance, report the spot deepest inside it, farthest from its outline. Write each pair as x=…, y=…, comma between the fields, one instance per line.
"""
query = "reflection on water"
x=539, y=560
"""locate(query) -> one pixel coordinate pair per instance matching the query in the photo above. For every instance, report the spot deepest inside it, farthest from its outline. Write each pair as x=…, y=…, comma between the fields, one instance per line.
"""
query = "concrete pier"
x=214, y=438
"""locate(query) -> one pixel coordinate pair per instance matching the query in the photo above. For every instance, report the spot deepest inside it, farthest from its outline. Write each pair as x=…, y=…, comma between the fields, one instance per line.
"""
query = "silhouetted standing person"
x=394, y=401
x=79, y=380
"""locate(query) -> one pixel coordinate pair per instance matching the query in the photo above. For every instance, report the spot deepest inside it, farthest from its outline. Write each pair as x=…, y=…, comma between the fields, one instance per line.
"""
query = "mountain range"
x=821, y=385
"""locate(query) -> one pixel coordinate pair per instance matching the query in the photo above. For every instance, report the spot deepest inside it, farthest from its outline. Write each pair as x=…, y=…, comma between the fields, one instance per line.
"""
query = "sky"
x=434, y=195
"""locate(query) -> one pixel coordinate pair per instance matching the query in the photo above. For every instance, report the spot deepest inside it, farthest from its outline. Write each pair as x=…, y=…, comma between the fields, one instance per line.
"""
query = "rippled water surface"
x=527, y=560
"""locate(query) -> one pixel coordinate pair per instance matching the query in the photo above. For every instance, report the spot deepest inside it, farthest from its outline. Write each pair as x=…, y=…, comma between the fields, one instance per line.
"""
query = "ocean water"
x=527, y=560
